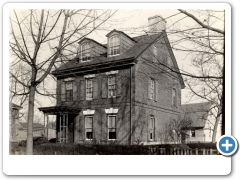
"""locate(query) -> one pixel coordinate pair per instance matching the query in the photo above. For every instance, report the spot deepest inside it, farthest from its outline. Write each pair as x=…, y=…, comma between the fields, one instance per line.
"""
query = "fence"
x=179, y=151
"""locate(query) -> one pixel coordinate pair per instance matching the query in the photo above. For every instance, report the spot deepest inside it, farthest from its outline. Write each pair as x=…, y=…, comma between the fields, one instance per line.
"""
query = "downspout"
x=131, y=105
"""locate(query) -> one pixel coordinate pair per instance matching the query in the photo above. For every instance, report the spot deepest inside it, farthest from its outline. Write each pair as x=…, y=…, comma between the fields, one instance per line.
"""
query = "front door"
x=66, y=129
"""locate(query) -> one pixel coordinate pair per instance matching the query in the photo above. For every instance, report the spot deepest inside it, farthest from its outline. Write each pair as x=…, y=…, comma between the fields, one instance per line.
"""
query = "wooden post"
x=174, y=151
x=44, y=126
x=60, y=122
x=211, y=151
x=190, y=151
x=47, y=126
x=185, y=151
x=164, y=151
x=170, y=151
x=204, y=151
x=56, y=129
x=66, y=128
x=196, y=151
x=177, y=151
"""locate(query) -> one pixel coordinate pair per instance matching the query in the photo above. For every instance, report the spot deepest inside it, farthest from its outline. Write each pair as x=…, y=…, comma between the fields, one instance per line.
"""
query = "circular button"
x=227, y=145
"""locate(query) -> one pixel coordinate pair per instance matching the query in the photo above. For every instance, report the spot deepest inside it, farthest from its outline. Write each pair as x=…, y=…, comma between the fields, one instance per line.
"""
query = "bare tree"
x=37, y=39
x=203, y=42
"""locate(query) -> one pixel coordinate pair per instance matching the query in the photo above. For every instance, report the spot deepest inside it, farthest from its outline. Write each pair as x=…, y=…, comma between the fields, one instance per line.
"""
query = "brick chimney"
x=156, y=24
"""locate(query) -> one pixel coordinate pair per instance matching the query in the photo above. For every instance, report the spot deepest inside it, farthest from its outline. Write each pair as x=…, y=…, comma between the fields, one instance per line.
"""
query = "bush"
x=79, y=149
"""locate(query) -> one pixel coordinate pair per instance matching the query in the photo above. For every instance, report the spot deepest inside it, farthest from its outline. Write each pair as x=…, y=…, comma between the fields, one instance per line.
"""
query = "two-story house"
x=123, y=92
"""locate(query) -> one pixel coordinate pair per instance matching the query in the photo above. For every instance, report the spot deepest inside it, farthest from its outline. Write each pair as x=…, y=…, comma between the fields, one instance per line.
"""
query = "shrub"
x=79, y=149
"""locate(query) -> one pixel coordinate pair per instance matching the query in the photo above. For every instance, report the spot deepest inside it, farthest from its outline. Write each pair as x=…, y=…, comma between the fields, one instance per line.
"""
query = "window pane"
x=89, y=123
x=112, y=135
x=89, y=135
x=151, y=124
x=85, y=52
x=114, y=45
x=112, y=121
x=151, y=135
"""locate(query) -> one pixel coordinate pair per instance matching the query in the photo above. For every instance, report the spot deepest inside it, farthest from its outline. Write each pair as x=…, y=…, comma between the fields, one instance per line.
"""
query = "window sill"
x=114, y=55
x=89, y=99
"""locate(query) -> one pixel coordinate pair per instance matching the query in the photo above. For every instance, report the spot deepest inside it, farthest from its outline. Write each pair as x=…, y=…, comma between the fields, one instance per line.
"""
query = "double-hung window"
x=151, y=128
x=114, y=48
x=112, y=127
x=89, y=89
x=112, y=86
x=85, y=52
x=69, y=91
x=89, y=127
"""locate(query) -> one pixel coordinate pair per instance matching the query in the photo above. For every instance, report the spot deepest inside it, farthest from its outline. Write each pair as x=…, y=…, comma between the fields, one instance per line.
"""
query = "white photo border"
x=125, y=165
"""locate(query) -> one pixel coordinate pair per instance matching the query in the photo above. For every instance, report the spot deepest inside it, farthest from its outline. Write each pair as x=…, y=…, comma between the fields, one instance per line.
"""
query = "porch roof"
x=55, y=110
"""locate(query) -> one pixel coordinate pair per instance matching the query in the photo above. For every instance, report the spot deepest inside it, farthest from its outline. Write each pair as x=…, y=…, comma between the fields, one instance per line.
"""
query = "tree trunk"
x=29, y=149
x=217, y=122
x=215, y=129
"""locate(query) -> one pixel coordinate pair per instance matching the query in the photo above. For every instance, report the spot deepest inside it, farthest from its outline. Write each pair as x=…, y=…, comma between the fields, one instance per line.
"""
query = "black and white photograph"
x=118, y=89
x=116, y=81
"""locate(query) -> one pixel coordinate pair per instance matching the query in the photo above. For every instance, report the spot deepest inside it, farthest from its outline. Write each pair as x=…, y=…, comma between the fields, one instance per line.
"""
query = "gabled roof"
x=197, y=113
x=85, y=38
x=142, y=43
x=121, y=33
x=131, y=53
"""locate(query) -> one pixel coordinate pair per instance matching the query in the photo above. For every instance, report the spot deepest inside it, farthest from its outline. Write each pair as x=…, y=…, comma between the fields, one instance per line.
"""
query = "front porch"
x=65, y=121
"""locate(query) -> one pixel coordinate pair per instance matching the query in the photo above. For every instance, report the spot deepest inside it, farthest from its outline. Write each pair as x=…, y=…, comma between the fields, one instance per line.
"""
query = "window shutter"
x=104, y=87
x=118, y=84
x=95, y=88
x=82, y=86
x=155, y=90
x=81, y=127
x=74, y=91
x=149, y=89
x=63, y=91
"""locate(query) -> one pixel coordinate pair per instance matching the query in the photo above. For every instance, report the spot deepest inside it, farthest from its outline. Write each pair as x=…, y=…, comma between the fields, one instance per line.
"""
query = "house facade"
x=122, y=92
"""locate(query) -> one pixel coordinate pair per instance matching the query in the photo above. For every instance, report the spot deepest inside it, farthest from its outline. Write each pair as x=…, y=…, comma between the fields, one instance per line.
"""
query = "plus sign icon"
x=227, y=145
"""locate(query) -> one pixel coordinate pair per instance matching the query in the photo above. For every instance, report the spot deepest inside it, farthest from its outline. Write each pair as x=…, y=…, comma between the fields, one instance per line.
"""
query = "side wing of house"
x=157, y=93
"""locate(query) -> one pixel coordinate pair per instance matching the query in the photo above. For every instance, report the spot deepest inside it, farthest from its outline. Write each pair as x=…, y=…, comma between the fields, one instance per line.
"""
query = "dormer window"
x=114, y=46
x=85, y=52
